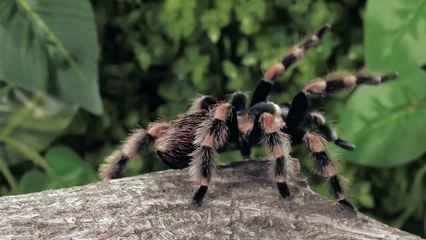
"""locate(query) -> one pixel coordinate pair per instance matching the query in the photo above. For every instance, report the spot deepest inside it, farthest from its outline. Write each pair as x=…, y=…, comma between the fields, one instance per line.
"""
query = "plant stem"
x=8, y=176
x=28, y=152
x=21, y=115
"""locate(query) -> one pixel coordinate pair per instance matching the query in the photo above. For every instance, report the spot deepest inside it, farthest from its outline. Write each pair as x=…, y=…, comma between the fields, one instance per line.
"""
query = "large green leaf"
x=51, y=45
x=387, y=123
x=33, y=181
x=68, y=169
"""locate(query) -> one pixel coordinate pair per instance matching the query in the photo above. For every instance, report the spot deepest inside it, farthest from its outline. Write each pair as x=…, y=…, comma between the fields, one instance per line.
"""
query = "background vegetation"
x=61, y=112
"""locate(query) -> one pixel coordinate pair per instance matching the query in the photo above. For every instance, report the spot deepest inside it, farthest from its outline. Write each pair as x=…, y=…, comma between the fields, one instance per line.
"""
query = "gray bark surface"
x=243, y=203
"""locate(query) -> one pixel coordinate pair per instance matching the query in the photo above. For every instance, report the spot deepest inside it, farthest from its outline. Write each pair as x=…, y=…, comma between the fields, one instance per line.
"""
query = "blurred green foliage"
x=157, y=55
x=56, y=42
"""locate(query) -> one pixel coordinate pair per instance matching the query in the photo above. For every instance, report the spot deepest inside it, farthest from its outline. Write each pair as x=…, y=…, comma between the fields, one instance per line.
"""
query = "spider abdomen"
x=176, y=145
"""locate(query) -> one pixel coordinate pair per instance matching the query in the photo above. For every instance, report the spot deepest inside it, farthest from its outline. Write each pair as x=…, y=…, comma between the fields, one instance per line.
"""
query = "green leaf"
x=69, y=167
x=55, y=49
x=230, y=69
x=250, y=14
x=387, y=122
x=214, y=34
x=142, y=55
x=4, y=169
x=364, y=197
x=193, y=63
x=34, y=181
x=27, y=151
x=395, y=33
x=179, y=20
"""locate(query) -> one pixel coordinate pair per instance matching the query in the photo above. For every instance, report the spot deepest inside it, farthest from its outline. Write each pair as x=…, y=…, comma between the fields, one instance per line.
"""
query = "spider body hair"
x=176, y=145
x=210, y=126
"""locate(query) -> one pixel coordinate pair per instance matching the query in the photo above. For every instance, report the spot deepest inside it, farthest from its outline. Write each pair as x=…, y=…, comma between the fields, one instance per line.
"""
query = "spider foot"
x=344, y=144
x=347, y=206
x=197, y=200
x=283, y=189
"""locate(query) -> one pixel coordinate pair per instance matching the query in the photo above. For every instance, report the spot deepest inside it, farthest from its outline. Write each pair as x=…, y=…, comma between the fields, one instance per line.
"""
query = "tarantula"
x=210, y=126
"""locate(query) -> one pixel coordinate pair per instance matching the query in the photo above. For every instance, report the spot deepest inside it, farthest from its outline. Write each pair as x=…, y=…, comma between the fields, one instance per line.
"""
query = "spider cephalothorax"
x=210, y=126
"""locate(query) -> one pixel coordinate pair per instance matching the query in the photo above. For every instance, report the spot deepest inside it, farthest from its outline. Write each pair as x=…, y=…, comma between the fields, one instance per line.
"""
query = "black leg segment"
x=207, y=102
x=283, y=189
x=118, y=170
x=344, y=144
x=239, y=101
x=261, y=93
x=298, y=110
x=199, y=196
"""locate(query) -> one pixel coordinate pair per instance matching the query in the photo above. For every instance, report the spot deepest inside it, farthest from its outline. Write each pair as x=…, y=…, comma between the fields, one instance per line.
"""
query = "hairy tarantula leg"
x=344, y=81
x=136, y=143
x=201, y=103
x=245, y=148
x=265, y=85
x=300, y=103
x=239, y=102
x=325, y=167
x=328, y=132
x=298, y=110
x=210, y=136
x=278, y=146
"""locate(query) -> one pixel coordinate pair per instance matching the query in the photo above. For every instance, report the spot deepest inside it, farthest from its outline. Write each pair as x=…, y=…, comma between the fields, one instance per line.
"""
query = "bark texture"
x=242, y=204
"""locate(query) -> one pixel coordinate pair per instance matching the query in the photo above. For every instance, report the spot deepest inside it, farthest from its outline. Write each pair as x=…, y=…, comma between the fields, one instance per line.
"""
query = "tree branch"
x=242, y=204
